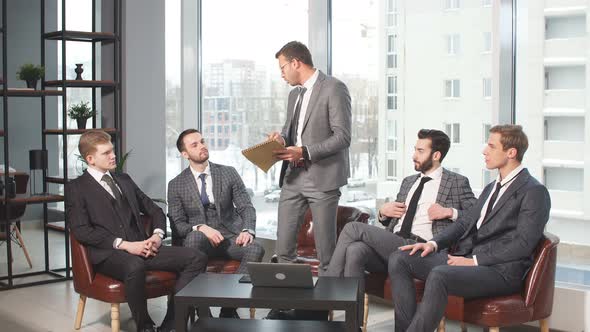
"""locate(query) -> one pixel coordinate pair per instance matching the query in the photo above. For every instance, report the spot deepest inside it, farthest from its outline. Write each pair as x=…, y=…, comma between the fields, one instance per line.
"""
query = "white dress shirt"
x=309, y=86
x=208, y=182
x=422, y=225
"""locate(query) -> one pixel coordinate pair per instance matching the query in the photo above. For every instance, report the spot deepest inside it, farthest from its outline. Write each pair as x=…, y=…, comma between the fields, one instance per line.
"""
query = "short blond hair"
x=90, y=139
x=512, y=136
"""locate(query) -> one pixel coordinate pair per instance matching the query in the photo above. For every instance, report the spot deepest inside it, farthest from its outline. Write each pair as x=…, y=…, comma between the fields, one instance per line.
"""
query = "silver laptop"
x=280, y=275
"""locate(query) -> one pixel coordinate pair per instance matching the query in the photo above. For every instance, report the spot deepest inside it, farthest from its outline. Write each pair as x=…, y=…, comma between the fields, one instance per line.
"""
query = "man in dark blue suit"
x=494, y=241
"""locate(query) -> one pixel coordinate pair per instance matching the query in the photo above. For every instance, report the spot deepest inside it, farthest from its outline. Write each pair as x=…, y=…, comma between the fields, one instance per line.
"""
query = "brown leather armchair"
x=16, y=211
x=535, y=302
x=90, y=284
x=306, y=252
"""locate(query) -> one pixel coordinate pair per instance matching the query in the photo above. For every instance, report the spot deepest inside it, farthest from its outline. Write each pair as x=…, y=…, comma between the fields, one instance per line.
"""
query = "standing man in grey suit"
x=315, y=161
x=494, y=241
x=209, y=208
x=426, y=203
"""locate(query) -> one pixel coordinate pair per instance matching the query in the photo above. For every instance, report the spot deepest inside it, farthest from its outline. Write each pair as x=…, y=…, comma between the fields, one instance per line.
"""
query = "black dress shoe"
x=148, y=328
x=229, y=313
x=281, y=314
x=167, y=326
x=208, y=314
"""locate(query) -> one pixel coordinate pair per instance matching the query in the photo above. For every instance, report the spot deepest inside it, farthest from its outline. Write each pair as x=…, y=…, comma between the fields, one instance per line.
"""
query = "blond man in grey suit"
x=440, y=198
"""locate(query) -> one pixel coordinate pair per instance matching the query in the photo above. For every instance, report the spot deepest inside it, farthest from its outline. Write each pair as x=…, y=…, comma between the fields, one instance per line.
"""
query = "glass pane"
x=359, y=68
x=242, y=84
x=552, y=106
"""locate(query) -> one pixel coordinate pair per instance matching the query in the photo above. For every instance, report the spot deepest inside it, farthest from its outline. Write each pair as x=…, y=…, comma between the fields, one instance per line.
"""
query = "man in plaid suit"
x=210, y=209
x=426, y=203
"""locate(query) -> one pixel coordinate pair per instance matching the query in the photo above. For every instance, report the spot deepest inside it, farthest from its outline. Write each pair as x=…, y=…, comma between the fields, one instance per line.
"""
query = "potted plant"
x=30, y=74
x=81, y=112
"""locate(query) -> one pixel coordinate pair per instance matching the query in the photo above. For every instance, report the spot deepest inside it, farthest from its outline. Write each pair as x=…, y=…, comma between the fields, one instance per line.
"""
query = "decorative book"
x=261, y=154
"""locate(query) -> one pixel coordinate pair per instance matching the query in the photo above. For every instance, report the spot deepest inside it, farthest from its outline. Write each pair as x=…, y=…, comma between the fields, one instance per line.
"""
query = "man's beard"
x=200, y=161
x=425, y=166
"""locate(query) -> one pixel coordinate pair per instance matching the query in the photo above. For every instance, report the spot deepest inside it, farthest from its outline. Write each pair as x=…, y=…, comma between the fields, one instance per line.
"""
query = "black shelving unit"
x=59, y=87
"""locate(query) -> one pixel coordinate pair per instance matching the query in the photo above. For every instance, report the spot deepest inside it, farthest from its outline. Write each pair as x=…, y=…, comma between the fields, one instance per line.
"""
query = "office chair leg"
x=80, y=312
x=22, y=245
x=366, y=313
x=252, y=313
x=441, y=325
x=115, y=323
x=544, y=325
x=494, y=329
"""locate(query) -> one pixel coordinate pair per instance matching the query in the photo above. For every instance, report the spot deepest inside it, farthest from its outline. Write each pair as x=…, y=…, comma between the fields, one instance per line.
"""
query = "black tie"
x=492, y=200
x=111, y=184
x=204, y=197
x=296, y=113
x=406, y=229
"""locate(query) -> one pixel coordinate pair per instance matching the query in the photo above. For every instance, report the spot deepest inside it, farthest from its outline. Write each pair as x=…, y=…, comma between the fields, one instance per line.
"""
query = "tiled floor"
x=52, y=307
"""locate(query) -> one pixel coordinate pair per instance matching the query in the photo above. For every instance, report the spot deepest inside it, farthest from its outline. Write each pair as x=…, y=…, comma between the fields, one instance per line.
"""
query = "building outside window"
x=452, y=88
x=453, y=44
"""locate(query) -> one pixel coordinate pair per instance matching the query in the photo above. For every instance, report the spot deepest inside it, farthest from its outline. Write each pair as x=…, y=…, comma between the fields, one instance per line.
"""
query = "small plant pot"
x=32, y=84
x=81, y=123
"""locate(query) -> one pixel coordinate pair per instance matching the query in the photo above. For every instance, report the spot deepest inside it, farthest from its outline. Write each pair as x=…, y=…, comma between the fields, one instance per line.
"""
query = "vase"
x=81, y=123
x=79, y=70
x=32, y=84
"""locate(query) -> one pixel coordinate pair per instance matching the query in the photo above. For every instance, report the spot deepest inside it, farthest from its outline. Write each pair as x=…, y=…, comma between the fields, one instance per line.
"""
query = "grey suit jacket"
x=234, y=208
x=326, y=132
x=454, y=192
x=507, y=237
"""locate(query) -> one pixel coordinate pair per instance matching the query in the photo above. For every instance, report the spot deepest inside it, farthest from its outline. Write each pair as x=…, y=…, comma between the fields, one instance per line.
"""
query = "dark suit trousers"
x=131, y=270
x=441, y=280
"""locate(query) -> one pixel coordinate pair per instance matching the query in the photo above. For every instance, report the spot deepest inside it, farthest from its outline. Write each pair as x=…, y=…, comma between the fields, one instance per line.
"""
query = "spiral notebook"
x=261, y=154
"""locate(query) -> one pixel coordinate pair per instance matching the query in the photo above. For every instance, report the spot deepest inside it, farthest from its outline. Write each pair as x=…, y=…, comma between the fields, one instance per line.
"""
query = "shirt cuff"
x=160, y=233
x=455, y=214
x=251, y=232
x=196, y=227
x=117, y=243
x=434, y=244
x=475, y=260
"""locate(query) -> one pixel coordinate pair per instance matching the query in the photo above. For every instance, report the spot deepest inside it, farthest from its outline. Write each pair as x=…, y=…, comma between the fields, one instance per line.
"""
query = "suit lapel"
x=95, y=187
x=128, y=195
x=315, y=95
x=407, y=185
x=97, y=191
x=216, y=177
x=520, y=181
x=193, y=191
x=444, y=188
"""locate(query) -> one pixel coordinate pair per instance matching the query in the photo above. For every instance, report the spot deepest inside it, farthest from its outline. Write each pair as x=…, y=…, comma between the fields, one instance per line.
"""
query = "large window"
x=356, y=23
x=243, y=89
x=552, y=92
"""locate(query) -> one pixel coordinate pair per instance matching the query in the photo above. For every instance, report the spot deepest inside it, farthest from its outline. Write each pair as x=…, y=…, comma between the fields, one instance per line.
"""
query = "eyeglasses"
x=283, y=66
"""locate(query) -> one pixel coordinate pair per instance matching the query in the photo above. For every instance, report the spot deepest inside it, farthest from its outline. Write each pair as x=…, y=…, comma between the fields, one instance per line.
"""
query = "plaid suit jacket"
x=454, y=192
x=233, y=205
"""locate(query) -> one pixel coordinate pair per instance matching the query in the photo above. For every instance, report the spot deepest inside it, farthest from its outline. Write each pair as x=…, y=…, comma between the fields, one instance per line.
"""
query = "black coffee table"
x=223, y=290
